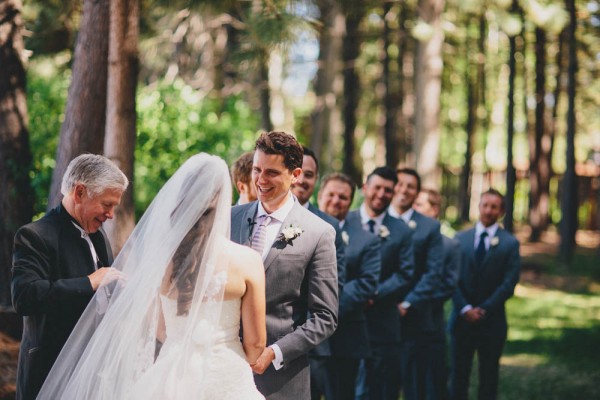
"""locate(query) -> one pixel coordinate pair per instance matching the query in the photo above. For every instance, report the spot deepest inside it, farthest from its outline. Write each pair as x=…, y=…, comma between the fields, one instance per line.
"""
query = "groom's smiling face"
x=272, y=179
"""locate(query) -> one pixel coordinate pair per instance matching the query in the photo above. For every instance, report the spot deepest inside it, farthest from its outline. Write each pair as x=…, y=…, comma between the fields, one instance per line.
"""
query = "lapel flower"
x=494, y=241
x=345, y=238
x=384, y=232
x=412, y=224
x=290, y=233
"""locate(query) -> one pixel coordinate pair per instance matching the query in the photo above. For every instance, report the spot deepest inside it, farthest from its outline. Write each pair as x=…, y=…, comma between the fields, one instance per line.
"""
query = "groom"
x=298, y=250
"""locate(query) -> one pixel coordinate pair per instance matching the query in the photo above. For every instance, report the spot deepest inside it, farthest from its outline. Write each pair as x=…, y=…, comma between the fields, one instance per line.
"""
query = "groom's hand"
x=263, y=361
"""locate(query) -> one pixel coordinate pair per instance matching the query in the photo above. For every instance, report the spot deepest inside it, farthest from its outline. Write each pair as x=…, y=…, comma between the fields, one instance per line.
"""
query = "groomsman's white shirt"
x=364, y=219
x=278, y=216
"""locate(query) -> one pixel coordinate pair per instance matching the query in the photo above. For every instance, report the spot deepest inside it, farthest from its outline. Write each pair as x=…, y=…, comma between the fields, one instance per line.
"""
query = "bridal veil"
x=172, y=251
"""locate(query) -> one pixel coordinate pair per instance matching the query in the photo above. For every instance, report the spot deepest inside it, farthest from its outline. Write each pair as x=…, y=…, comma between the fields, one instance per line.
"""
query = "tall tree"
x=428, y=86
x=323, y=120
x=85, y=116
x=120, y=137
x=391, y=96
x=569, y=203
x=355, y=12
x=16, y=196
x=540, y=146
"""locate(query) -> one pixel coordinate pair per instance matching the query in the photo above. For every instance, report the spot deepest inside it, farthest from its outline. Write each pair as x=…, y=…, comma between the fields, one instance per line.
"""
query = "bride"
x=169, y=328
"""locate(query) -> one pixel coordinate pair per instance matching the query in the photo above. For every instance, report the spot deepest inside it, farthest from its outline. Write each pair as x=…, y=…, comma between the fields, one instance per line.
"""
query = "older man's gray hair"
x=97, y=173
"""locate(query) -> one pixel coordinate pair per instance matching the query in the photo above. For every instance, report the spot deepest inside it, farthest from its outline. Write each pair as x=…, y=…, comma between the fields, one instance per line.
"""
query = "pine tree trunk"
x=350, y=53
x=85, y=117
x=120, y=137
x=265, y=95
x=323, y=123
x=16, y=195
x=428, y=71
x=569, y=203
x=391, y=95
x=540, y=147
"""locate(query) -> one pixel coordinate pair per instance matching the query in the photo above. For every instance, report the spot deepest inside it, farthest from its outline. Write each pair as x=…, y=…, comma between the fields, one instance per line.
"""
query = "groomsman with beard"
x=488, y=275
x=350, y=342
x=383, y=318
x=303, y=189
x=423, y=333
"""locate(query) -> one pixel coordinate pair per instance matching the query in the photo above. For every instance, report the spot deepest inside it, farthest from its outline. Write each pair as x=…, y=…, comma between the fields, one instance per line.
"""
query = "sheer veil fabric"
x=172, y=253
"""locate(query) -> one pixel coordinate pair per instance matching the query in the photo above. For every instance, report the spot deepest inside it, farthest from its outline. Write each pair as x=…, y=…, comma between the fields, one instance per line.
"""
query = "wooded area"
x=471, y=93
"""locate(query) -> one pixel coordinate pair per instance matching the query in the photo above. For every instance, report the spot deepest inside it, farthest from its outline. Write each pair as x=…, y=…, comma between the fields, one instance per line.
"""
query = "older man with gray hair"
x=59, y=262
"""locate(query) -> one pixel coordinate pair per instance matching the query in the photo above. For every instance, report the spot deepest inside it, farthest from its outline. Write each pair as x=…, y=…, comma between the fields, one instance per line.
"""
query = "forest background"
x=471, y=93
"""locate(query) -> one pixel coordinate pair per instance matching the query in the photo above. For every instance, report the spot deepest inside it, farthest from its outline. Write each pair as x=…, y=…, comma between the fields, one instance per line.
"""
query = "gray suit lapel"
x=277, y=247
x=245, y=227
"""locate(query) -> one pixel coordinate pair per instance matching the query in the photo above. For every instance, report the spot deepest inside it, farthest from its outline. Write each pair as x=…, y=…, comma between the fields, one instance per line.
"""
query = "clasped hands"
x=105, y=275
x=474, y=315
x=263, y=361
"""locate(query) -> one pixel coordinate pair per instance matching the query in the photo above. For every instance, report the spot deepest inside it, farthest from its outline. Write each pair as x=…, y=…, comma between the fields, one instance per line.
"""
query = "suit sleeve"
x=511, y=278
x=322, y=302
x=357, y=291
x=32, y=289
x=431, y=280
x=340, y=250
x=452, y=260
x=399, y=281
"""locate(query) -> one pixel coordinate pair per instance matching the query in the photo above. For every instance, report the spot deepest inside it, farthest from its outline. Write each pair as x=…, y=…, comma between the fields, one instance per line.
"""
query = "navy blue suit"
x=319, y=382
x=50, y=289
x=383, y=318
x=486, y=286
x=423, y=333
x=350, y=342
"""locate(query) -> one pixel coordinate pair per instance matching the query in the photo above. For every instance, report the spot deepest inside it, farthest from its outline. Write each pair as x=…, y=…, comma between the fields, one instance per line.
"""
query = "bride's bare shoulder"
x=241, y=256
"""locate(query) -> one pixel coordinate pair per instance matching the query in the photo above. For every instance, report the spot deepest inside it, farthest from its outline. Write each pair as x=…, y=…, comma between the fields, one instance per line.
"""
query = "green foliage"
x=47, y=85
x=175, y=122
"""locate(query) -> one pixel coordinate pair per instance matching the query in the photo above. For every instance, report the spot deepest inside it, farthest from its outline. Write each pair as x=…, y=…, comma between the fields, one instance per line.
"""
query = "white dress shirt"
x=278, y=216
x=365, y=218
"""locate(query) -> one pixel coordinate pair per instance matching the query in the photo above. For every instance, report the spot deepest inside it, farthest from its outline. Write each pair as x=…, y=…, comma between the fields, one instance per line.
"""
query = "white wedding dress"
x=223, y=367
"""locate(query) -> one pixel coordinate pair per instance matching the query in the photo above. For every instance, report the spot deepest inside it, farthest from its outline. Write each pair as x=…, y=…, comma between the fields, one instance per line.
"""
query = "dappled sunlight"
x=524, y=360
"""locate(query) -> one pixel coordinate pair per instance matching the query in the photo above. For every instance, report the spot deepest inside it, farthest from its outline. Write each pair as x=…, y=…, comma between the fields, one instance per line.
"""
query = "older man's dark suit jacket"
x=50, y=289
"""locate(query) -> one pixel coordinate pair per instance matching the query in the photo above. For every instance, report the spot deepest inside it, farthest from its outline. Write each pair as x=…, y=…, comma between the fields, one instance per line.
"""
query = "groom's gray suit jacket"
x=301, y=277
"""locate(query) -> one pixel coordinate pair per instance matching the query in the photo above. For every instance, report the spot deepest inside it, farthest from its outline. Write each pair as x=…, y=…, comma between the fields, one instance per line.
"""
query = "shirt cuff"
x=466, y=308
x=278, y=361
x=405, y=304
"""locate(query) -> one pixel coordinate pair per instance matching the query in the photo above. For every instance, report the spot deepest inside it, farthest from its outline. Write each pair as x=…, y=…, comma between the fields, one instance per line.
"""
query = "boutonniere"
x=290, y=233
x=345, y=238
x=384, y=232
x=412, y=224
x=494, y=241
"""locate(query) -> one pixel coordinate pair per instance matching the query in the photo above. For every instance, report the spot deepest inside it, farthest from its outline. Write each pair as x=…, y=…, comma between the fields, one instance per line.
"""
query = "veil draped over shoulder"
x=172, y=252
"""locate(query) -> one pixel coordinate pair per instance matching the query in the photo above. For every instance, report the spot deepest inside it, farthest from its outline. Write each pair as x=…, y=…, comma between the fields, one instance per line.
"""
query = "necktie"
x=258, y=239
x=371, y=224
x=480, y=251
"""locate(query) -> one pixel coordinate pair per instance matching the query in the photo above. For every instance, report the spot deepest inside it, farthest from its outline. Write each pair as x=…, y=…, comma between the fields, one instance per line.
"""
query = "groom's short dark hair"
x=281, y=143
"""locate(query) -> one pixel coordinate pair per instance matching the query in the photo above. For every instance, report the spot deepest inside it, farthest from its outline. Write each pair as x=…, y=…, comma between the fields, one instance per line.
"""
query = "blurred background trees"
x=472, y=93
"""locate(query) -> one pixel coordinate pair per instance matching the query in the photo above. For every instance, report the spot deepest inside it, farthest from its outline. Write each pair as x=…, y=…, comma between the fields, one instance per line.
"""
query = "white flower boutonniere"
x=412, y=224
x=494, y=241
x=290, y=233
x=345, y=238
x=384, y=232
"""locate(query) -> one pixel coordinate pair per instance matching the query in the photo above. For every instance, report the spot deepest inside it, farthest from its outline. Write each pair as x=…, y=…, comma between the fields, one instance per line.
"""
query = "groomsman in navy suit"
x=488, y=276
x=423, y=333
x=429, y=203
x=303, y=189
x=350, y=342
x=397, y=263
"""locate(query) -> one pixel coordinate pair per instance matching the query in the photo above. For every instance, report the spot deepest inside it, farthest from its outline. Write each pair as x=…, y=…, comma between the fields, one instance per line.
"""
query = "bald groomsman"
x=488, y=275
x=350, y=342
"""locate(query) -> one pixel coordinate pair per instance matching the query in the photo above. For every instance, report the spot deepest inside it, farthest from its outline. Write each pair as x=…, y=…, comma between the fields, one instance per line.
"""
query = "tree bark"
x=265, y=95
x=85, y=117
x=390, y=101
x=322, y=118
x=511, y=174
x=119, y=143
x=350, y=53
x=569, y=203
x=540, y=147
x=428, y=78
x=16, y=195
